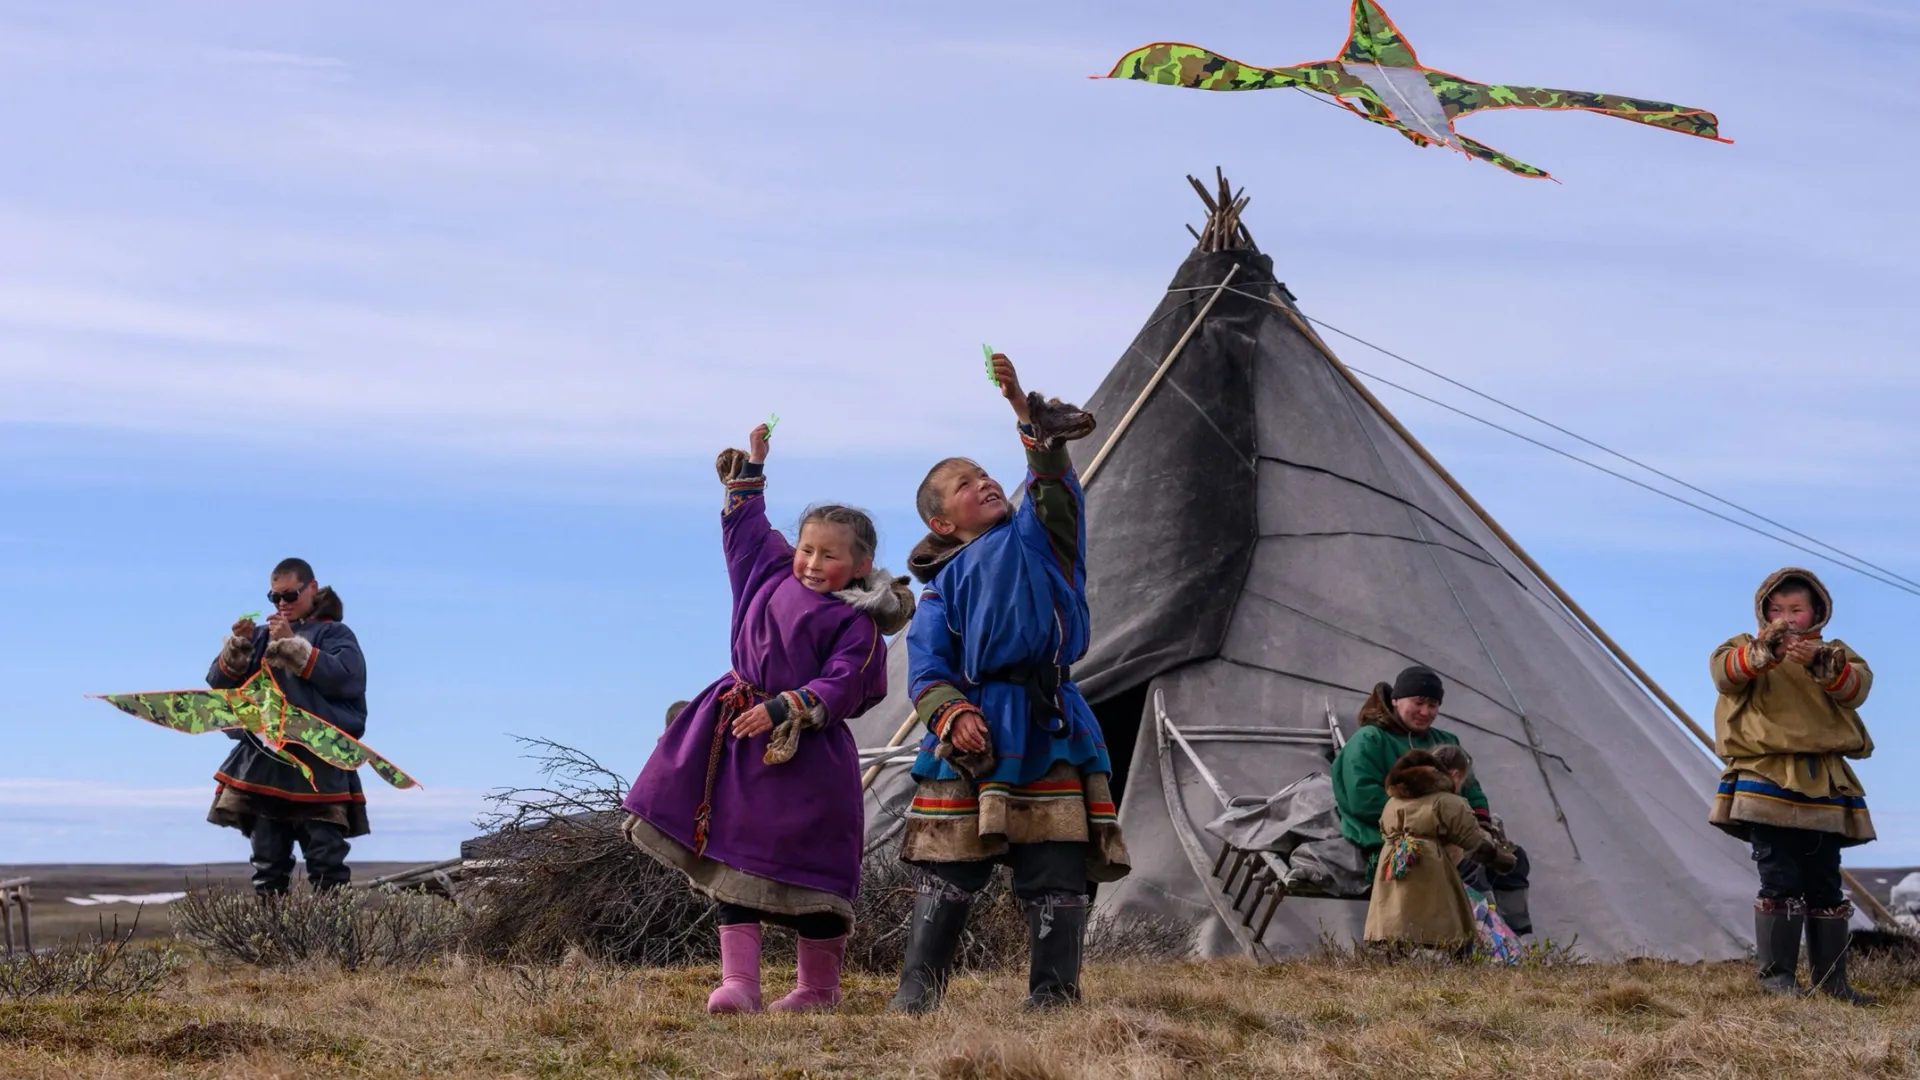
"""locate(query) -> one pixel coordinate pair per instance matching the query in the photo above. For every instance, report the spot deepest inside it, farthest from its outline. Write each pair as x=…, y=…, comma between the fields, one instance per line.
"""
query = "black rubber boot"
x=1056, y=934
x=1827, y=937
x=1776, y=945
x=272, y=841
x=325, y=847
x=933, y=939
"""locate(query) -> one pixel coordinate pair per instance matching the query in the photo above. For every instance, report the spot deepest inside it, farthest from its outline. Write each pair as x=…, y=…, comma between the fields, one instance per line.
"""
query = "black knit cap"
x=1418, y=681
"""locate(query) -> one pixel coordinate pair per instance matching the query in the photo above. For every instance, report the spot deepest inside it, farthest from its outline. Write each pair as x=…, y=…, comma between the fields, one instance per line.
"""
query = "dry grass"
x=1320, y=1017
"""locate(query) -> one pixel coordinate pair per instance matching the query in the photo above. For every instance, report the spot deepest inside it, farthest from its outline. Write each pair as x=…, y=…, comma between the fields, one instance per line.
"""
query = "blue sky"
x=459, y=308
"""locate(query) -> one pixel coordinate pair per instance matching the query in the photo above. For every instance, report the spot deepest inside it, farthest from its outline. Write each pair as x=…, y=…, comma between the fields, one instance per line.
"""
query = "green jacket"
x=1360, y=780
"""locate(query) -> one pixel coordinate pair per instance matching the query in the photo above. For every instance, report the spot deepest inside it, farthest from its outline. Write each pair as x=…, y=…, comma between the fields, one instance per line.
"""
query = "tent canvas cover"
x=1263, y=546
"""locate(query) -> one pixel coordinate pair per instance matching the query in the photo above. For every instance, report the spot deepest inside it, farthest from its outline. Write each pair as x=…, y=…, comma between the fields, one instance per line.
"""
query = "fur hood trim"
x=326, y=606
x=931, y=555
x=1822, y=599
x=1417, y=775
x=887, y=598
x=1377, y=710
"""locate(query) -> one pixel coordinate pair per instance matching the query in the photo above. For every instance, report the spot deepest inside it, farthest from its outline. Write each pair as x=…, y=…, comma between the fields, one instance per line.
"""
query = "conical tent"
x=1264, y=545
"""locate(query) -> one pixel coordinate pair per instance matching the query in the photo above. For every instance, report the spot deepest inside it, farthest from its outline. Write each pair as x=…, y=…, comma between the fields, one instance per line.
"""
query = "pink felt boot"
x=739, y=989
x=819, y=982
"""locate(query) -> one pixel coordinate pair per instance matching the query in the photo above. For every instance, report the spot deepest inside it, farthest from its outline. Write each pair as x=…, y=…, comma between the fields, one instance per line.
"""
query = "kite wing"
x=192, y=711
x=337, y=748
x=1373, y=39
x=1462, y=96
x=1170, y=63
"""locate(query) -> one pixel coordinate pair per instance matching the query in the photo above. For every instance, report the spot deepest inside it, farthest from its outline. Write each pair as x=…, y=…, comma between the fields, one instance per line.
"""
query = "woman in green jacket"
x=1394, y=720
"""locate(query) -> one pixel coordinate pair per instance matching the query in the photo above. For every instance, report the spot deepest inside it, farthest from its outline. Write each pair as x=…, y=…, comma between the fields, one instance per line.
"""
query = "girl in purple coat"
x=754, y=789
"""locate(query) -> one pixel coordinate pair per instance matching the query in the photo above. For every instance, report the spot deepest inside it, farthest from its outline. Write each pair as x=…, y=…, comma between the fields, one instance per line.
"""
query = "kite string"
x=1604, y=449
x=1519, y=707
x=1874, y=571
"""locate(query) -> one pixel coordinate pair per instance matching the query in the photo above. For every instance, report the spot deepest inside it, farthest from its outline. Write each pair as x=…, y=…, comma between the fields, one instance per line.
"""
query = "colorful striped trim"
x=1760, y=789
x=1103, y=813
x=943, y=717
x=943, y=808
x=1845, y=688
x=1737, y=667
x=741, y=489
x=313, y=657
x=290, y=796
x=1026, y=437
x=1038, y=791
x=227, y=671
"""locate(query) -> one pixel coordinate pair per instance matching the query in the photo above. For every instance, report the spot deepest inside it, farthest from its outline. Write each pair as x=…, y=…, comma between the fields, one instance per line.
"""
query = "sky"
x=460, y=308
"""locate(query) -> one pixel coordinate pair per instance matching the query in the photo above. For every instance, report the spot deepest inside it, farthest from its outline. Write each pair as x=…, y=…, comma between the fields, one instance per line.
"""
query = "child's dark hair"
x=927, y=500
x=865, y=539
x=1453, y=759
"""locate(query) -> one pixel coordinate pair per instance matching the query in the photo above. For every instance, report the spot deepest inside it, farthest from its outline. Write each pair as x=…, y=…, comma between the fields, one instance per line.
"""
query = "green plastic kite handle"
x=991, y=377
x=251, y=616
x=773, y=419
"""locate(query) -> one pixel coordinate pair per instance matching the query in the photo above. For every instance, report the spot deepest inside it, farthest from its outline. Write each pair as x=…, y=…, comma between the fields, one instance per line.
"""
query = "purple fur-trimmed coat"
x=800, y=822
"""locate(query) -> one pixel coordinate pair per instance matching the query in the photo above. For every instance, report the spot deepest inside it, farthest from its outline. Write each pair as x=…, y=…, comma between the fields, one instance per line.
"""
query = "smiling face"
x=971, y=502
x=1416, y=713
x=826, y=559
x=1793, y=604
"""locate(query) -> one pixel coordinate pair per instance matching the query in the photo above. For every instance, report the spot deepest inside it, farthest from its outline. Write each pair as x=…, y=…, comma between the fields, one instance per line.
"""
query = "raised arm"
x=1053, y=515
x=750, y=542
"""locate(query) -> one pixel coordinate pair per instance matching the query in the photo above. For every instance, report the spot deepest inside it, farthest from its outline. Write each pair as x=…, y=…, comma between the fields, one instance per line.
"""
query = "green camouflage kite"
x=1378, y=69
x=260, y=707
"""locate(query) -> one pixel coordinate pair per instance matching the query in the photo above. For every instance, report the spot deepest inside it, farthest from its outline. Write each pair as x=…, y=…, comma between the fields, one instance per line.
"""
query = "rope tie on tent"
x=1427, y=543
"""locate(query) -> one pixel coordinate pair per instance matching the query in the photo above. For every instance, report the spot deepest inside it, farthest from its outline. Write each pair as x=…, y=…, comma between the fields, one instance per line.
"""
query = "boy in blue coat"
x=1014, y=767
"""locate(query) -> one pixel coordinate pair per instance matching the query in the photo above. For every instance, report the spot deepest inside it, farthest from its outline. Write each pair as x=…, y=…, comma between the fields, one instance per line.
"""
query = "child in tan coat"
x=1418, y=898
x=1786, y=724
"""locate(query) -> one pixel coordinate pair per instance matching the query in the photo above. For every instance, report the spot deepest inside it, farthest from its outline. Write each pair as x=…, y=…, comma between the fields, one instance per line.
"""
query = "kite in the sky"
x=260, y=707
x=1378, y=69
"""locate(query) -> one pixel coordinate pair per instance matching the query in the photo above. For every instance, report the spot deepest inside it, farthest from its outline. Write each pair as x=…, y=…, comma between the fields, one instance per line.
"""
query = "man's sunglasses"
x=285, y=597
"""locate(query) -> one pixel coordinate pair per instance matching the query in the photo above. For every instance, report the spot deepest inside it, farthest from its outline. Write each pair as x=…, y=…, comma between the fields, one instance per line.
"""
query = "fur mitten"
x=795, y=713
x=1764, y=651
x=1827, y=664
x=289, y=654
x=237, y=654
x=728, y=463
x=1055, y=422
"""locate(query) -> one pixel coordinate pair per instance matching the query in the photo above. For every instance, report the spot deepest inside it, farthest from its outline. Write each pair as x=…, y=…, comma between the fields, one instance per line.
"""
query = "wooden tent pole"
x=1874, y=907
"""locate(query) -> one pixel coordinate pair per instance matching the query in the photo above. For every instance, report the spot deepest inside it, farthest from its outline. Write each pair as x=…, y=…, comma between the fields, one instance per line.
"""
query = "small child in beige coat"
x=1418, y=898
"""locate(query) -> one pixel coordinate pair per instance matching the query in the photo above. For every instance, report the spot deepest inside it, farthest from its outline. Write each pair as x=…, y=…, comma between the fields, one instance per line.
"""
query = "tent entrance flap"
x=1120, y=716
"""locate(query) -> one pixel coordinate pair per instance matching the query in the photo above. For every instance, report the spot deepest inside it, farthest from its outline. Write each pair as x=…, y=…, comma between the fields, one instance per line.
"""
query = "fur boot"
x=818, y=988
x=739, y=989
